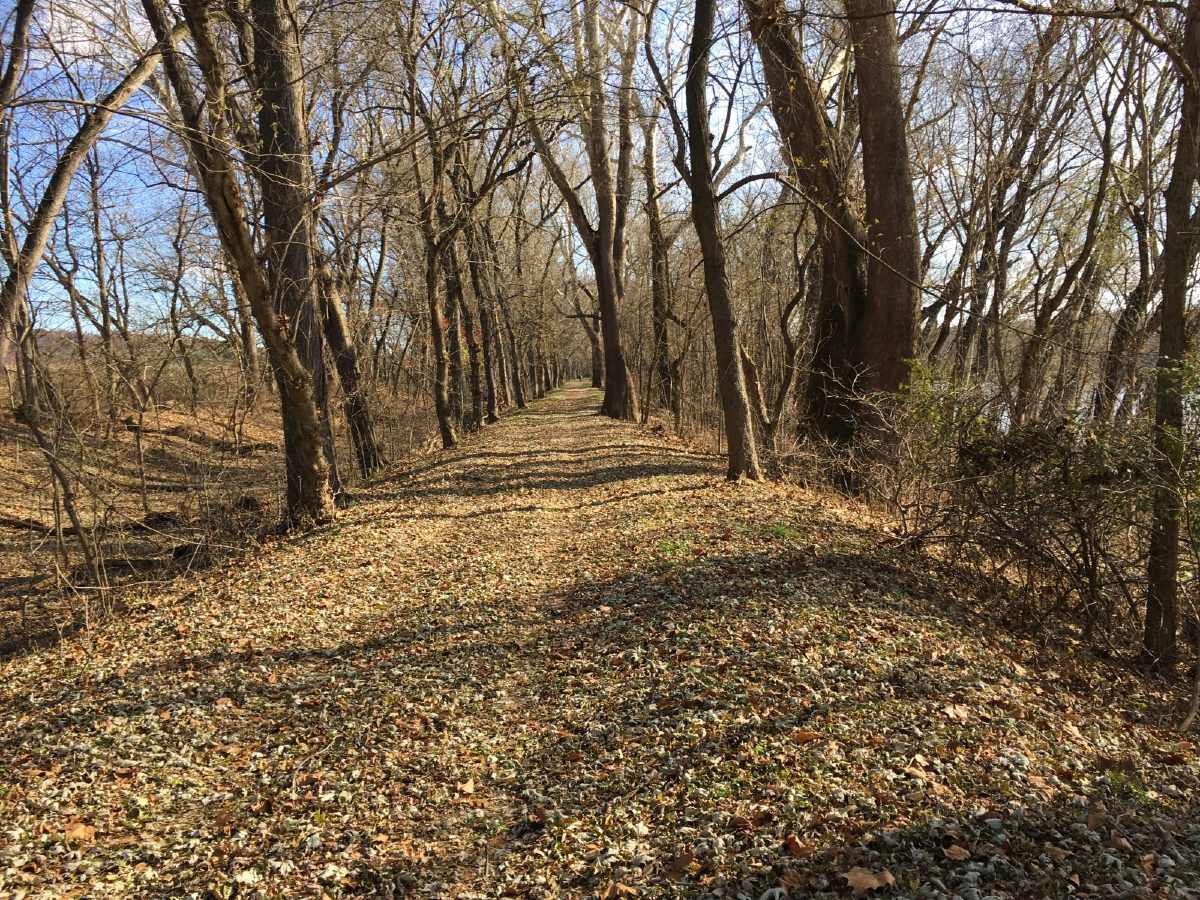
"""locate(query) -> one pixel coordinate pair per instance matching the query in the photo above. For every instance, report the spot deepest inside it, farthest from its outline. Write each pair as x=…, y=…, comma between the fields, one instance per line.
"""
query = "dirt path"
x=569, y=660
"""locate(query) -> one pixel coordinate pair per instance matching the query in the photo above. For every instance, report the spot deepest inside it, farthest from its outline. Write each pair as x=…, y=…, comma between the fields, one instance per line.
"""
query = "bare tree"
x=739, y=428
x=1179, y=256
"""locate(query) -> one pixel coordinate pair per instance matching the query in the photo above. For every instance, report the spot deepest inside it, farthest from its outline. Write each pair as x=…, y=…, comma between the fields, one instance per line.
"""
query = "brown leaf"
x=677, y=866
x=957, y=712
x=80, y=833
x=1057, y=852
x=1041, y=784
x=1119, y=842
x=861, y=880
x=793, y=846
x=956, y=852
x=467, y=787
x=761, y=816
x=617, y=889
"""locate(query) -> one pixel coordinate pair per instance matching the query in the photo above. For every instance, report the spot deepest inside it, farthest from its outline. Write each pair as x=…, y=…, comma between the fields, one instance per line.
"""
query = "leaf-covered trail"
x=568, y=660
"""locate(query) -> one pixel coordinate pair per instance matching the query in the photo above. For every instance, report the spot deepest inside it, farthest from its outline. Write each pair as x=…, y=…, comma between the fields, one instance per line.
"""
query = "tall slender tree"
x=706, y=216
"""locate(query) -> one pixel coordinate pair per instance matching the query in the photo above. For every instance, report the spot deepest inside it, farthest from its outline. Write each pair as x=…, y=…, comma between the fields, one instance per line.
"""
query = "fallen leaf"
x=861, y=880
x=956, y=852
x=1057, y=853
x=957, y=712
x=677, y=866
x=1041, y=784
x=794, y=846
x=617, y=889
x=467, y=787
x=802, y=736
x=1119, y=842
x=80, y=833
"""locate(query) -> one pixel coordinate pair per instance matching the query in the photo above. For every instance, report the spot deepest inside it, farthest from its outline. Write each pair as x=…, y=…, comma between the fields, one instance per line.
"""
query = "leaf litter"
x=567, y=660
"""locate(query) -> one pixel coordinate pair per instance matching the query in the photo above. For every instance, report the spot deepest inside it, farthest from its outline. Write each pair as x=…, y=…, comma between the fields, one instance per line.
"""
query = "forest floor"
x=198, y=475
x=569, y=660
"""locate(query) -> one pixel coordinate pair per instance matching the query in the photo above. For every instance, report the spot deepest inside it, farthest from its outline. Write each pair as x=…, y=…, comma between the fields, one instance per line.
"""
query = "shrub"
x=1057, y=512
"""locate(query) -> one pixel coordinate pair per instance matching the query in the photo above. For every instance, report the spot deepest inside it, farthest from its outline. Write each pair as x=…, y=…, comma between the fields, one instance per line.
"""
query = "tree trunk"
x=472, y=420
x=1115, y=375
x=620, y=399
x=441, y=361
x=660, y=279
x=597, y=366
x=514, y=356
x=735, y=404
x=246, y=333
x=285, y=172
x=483, y=298
x=886, y=339
x=1178, y=255
x=866, y=321
x=454, y=339
x=308, y=495
x=345, y=359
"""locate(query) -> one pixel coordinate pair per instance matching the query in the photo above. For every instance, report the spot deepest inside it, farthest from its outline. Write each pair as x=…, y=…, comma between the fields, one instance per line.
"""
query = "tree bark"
x=452, y=311
x=441, y=360
x=308, y=496
x=1160, y=636
x=285, y=173
x=484, y=301
x=865, y=326
x=660, y=278
x=735, y=404
x=887, y=334
x=514, y=356
x=345, y=359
